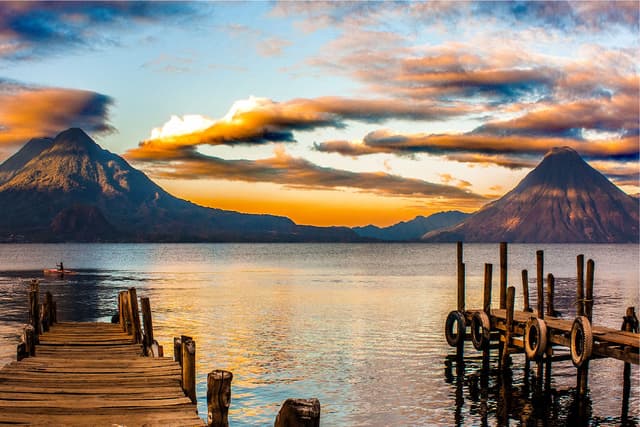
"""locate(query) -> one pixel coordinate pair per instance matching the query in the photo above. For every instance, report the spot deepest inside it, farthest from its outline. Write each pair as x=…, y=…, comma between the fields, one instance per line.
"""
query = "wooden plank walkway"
x=93, y=374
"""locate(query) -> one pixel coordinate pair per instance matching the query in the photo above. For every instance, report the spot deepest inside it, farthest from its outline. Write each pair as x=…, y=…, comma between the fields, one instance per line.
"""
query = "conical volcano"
x=70, y=189
x=563, y=200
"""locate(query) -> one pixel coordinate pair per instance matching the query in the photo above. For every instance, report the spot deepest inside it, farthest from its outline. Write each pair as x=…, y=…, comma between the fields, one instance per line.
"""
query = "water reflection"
x=515, y=396
x=358, y=326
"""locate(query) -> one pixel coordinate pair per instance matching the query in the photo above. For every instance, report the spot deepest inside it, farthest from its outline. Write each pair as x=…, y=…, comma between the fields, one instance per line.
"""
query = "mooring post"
x=48, y=308
x=148, y=325
x=30, y=340
x=461, y=309
x=580, y=286
x=218, y=397
x=486, y=306
x=630, y=324
x=135, y=315
x=525, y=291
x=503, y=275
x=459, y=252
x=299, y=413
x=189, y=368
x=126, y=308
x=540, y=282
x=511, y=299
x=588, y=297
x=121, y=315
x=551, y=285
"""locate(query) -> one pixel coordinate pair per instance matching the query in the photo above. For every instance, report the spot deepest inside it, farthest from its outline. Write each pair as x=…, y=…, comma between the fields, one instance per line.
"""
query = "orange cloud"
x=296, y=172
x=28, y=111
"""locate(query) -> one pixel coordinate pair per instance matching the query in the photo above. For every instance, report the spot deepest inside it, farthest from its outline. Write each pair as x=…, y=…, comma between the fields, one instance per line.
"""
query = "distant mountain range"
x=70, y=189
x=412, y=230
x=563, y=200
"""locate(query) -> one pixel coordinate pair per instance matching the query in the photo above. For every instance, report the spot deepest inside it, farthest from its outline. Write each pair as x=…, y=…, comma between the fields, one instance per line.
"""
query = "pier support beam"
x=486, y=298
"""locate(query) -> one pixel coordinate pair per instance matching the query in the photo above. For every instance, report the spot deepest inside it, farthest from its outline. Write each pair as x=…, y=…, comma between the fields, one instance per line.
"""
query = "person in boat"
x=60, y=266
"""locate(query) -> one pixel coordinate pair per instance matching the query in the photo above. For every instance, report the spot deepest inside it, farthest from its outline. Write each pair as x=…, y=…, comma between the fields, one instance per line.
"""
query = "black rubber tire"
x=535, y=338
x=480, y=330
x=455, y=319
x=581, y=341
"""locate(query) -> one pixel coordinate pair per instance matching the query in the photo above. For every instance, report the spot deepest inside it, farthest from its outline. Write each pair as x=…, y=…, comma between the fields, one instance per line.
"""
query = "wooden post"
x=34, y=313
x=177, y=350
x=135, y=315
x=488, y=269
x=461, y=287
x=540, y=282
x=459, y=252
x=126, y=313
x=525, y=290
x=580, y=286
x=503, y=275
x=189, y=368
x=299, y=413
x=121, y=315
x=148, y=324
x=30, y=340
x=551, y=284
x=511, y=299
x=588, y=297
x=218, y=397
x=630, y=324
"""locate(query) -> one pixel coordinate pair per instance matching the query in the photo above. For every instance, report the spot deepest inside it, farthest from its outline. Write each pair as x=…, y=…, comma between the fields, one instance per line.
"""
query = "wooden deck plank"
x=93, y=371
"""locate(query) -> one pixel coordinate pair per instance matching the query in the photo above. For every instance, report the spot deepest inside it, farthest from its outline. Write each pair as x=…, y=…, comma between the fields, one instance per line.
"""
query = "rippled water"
x=358, y=326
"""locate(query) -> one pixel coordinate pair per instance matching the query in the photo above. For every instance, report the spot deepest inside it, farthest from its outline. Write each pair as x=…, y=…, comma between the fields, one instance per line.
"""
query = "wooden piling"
x=299, y=413
x=34, y=313
x=486, y=297
x=580, y=286
x=525, y=291
x=121, y=311
x=189, y=368
x=588, y=297
x=459, y=252
x=461, y=287
x=177, y=350
x=503, y=275
x=30, y=340
x=540, y=282
x=511, y=297
x=218, y=397
x=551, y=284
x=136, y=329
x=630, y=324
x=148, y=325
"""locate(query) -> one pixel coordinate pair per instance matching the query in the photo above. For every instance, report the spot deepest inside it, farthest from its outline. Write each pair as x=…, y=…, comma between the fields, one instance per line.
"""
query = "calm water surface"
x=358, y=326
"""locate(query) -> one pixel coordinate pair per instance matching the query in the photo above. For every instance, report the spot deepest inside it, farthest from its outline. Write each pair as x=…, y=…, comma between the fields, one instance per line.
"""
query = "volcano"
x=70, y=189
x=563, y=200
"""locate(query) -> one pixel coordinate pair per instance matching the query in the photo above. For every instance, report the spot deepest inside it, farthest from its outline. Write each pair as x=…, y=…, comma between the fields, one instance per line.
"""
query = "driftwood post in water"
x=218, y=397
x=299, y=413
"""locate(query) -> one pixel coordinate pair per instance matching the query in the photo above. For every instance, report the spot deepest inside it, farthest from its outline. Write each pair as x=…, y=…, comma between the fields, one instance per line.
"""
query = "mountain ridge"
x=414, y=229
x=562, y=200
x=73, y=175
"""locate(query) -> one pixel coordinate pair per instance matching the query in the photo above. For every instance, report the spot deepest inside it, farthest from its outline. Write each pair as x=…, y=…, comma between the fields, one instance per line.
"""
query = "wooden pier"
x=540, y=334
x=88, y=373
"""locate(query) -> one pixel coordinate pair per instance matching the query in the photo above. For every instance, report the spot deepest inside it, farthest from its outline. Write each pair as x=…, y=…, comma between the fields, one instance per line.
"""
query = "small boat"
x=57, y=272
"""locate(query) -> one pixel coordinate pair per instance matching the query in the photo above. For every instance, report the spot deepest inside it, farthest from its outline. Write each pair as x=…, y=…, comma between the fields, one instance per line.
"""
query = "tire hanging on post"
x=455, y=322
x=581, y=341
x=480, y=330
x=535, y=338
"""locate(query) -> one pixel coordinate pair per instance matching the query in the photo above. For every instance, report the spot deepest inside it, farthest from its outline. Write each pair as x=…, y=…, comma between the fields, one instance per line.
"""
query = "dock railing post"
x=177, y=350
x=551, y=284
x=525, y=291
x=34, y=308
x=587, y=304
x=299, y=413
x=540, y=282
x=218, y=398
x=189, y=367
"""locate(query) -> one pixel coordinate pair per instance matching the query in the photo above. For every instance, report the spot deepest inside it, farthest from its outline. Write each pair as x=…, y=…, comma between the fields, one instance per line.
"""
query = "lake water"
x=359, y=326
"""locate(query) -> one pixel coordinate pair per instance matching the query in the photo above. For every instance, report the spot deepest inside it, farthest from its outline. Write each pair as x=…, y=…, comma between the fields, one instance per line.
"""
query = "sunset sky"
x=329, y=113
